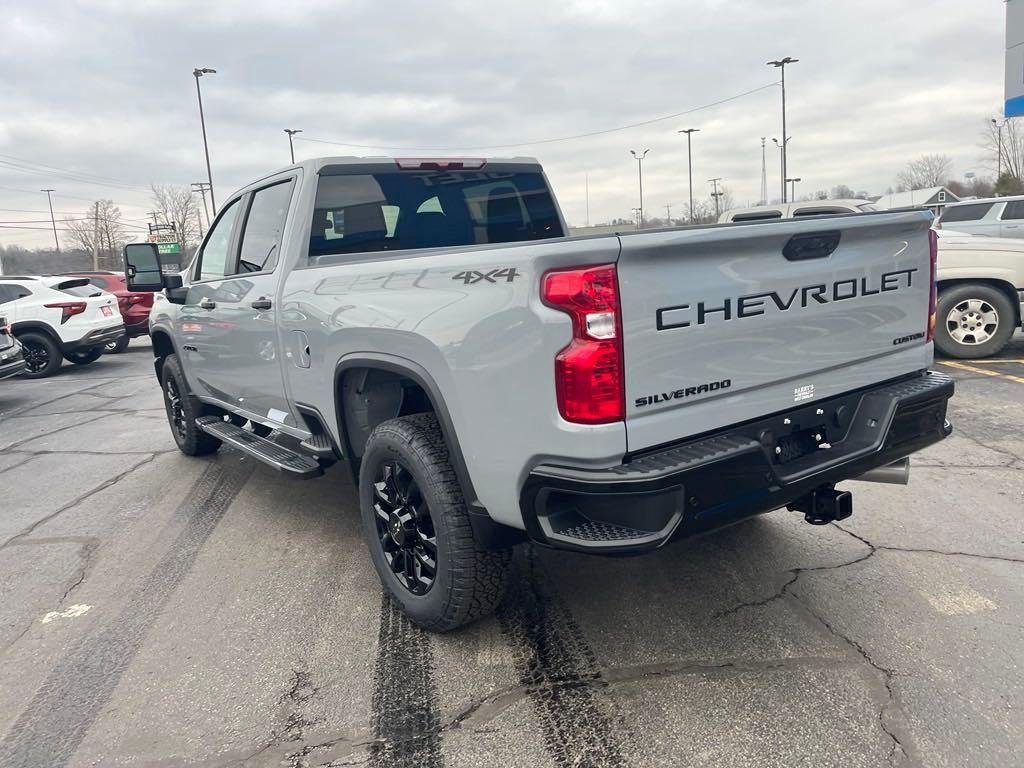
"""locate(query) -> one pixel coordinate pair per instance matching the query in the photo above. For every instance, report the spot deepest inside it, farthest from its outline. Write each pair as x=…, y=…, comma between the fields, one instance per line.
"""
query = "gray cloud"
x=105, y=88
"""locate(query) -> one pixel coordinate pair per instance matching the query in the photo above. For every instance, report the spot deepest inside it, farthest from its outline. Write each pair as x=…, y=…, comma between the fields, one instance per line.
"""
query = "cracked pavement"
x=213, y=613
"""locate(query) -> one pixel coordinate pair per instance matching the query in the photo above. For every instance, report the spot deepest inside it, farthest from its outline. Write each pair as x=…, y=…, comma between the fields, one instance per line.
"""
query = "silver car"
x=992, y=217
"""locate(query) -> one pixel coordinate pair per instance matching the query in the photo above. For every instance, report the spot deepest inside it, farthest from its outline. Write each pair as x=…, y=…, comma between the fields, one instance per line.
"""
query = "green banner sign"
x=168, y=247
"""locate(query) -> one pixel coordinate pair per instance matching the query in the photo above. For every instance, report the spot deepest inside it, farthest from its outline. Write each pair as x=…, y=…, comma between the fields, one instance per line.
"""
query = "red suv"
x=134, y=306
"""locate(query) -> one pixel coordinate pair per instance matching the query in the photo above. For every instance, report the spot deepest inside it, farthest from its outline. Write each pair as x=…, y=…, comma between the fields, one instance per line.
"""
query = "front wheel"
x=84, y=356
x=417, y=526
x=183, y=408
x=973, y=320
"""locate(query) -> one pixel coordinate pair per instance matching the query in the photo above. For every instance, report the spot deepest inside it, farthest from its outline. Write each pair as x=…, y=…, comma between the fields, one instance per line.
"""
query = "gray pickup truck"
x=490, y=380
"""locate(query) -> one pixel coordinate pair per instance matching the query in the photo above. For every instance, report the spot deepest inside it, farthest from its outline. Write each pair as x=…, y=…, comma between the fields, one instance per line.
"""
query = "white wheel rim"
x=972, y=322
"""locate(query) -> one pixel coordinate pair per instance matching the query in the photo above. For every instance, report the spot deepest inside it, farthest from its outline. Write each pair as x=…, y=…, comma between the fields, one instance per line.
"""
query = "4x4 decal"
x=469, y=278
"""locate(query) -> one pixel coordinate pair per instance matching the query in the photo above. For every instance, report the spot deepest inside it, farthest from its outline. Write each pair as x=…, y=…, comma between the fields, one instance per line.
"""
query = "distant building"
x=935, y=198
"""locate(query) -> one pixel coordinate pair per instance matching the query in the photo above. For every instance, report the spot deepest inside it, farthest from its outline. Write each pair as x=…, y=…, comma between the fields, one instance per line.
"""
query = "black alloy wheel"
x=37, y=357
x=176, y=408
x=404, y=528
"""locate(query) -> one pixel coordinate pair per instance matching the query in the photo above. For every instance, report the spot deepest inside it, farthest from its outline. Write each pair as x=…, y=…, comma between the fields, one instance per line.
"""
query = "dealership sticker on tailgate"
x=805, y=392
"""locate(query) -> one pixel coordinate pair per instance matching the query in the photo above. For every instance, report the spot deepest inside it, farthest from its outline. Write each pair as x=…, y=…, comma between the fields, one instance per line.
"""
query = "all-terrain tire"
x=967, y=303
x=470, y=579
x=41, y=353
x=183, y=408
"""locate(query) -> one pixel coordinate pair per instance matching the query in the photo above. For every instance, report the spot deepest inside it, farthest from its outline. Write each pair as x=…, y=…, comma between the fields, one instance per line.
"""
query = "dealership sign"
x=1014, y=58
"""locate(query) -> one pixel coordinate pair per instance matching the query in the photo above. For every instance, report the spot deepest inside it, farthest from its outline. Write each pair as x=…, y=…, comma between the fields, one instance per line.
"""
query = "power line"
x=554, y=140
x=22, y=161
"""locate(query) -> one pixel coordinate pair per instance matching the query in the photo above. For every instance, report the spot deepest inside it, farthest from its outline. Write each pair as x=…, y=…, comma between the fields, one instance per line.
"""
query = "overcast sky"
x=105, y=89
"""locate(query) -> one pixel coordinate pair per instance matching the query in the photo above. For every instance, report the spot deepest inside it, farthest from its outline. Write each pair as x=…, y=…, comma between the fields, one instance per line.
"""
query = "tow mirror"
x=146, y=269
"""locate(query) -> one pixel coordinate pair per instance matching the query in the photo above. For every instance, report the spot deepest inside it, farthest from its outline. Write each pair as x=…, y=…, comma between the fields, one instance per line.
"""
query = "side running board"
x=277, y=456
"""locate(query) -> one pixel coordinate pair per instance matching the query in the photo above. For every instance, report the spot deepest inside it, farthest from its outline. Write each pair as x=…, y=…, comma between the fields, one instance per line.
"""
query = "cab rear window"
x=409, y=209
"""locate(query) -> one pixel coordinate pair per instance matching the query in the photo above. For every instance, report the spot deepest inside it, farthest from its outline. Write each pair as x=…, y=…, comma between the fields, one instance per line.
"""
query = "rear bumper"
x=745, y=470
x=95, y=338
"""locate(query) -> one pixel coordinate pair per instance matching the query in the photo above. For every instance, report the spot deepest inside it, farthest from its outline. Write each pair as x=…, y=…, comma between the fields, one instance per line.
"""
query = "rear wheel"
x=42, y=356
x=183, y=408
x=417, y=527
x=84, y=356
x=973, y=321
x=116, y=347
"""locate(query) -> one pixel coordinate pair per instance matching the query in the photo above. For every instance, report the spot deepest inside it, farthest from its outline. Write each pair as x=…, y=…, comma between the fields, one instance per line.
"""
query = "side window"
x=974, y=212
x=6, y=294
x=1014, y=210
x=213, y=259
x=13, y=292
x=261, y=238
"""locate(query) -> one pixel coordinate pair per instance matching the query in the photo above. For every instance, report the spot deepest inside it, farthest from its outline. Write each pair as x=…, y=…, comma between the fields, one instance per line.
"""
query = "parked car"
x=134, y=305
x=992, y=217
x=12, y=361
x=981, y=293
x=59, y=318
x=800, y=210
x=489, y=380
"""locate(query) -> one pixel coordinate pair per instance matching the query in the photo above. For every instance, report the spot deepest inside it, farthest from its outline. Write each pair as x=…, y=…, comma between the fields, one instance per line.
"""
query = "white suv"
x=58, y=318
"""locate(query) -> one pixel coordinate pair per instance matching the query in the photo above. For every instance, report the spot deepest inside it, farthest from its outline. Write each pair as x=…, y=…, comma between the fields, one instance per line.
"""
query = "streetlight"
x=716, y=194
x=781, y=64
x=999, y=150
x=640, y=172
x=291, y=132
x=689, y=163
x=53, y=221
x=793, y=182
x=199, y=72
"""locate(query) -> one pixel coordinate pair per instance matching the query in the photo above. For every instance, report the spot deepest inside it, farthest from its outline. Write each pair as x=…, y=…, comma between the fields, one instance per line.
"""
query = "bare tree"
x=1010, y=157
x=177, y=205
x=101, y=229
x=926, y=171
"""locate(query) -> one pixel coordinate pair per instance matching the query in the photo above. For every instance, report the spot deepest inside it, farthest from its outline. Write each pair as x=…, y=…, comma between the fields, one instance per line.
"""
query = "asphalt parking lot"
x=157, y=610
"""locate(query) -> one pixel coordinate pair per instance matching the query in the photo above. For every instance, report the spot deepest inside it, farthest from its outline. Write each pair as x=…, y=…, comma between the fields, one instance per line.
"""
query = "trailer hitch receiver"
x=824, y=505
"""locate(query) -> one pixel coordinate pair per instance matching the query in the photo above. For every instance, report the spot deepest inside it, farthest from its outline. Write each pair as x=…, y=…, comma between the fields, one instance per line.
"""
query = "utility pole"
x=764, y=174
x=999, y=147
x=640, y=172
x=199, y=218
x=201, y=187
x=53, y=221
x=291, y=147
x=716, y=194
x=689, y=163
x=668, y=215
x=96, y=236
x=792, y=195
x=781, y=64
x=636, y=217
x=199, y=72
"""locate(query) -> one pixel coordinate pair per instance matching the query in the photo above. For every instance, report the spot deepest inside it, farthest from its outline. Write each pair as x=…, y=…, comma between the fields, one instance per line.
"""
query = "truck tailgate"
x=726, y=324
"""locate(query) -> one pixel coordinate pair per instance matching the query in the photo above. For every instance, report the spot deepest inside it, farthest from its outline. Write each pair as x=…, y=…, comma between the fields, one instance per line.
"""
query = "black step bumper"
x=93, y=339
x=744, y=470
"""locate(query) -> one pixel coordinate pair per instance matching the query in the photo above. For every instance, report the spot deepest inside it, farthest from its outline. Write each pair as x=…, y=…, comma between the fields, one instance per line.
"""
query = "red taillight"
x=588, y=372
x=67, y=309
x=933, y=297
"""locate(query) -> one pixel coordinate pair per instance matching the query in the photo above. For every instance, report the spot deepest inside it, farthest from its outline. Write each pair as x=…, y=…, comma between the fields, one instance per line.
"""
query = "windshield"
x=392, y=210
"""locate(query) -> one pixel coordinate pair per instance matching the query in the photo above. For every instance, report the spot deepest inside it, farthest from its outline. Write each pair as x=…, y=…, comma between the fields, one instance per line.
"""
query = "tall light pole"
x=764, y=173
x=792, y=182
x=689, y=163
x=716, y=194
x=781, y=64
x=782, y=163
x=999, y=149
x=53, y=221
x=291, y=132
x=199, y=72
x=640, y=172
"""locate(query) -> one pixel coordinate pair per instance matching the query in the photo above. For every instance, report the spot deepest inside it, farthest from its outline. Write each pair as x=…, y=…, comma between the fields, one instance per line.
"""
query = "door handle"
x=261, y=303
x=207, y=304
